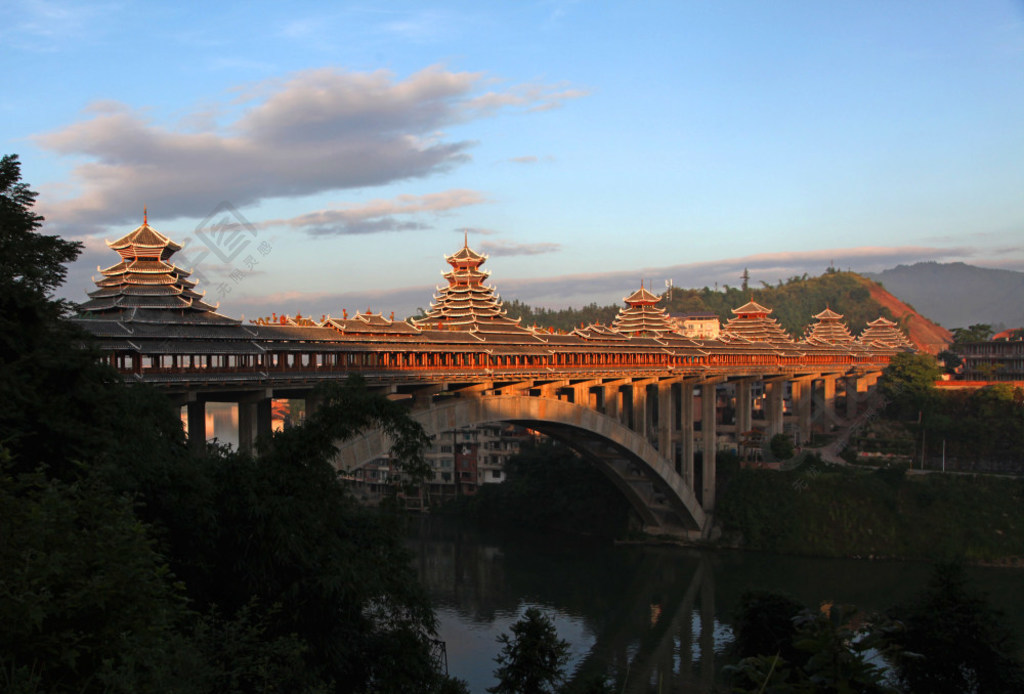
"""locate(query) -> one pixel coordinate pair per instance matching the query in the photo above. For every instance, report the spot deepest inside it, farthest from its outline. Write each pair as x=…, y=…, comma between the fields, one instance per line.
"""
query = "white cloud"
x=506, y=248
x=401, y=214
x=316, y=131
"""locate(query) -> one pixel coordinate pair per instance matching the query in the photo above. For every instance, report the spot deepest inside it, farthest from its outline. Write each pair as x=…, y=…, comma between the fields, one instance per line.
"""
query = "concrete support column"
x=640, y=409
x=686, y=421
x=803, y=393
x=197, y=425
x=247, y=426
x=709, y=433
x=313, y=404
x=665, y=420
x=255, y=420
x=612, y=401
x=422, y=397
x=744, y=406
x=774, y=391
x=581, y=395
x=829, y=401
x=855, y=395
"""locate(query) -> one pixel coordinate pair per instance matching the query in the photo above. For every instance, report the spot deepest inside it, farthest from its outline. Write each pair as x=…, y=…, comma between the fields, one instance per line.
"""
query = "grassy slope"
x=928, y=336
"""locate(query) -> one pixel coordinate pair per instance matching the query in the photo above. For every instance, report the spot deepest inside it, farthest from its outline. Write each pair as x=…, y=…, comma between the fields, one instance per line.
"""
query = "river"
x=656, y=618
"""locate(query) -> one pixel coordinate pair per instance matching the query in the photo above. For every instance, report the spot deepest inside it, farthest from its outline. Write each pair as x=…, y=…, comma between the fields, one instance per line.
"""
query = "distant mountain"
x=957, y=294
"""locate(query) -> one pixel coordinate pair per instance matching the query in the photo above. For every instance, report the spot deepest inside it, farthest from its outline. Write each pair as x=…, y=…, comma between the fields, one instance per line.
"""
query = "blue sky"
x=585, y=146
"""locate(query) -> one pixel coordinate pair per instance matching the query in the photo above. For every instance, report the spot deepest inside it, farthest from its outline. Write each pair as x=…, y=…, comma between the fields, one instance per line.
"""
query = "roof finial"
x=145, y=216
x=465, y=238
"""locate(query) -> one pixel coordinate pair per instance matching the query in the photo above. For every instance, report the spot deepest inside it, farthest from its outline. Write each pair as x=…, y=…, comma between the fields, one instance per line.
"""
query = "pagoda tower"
x=829, y=330
x=642, y=317
x=146, y=286
x=467, y=303
x=885, y=333
x=750, y=323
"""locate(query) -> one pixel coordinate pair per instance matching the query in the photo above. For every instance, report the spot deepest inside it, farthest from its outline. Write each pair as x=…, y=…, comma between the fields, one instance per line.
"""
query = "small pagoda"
x=829, y=330
x=883, y=332
x=642, y=317
x=750, y=323
x=146, y=286
x=467, y=303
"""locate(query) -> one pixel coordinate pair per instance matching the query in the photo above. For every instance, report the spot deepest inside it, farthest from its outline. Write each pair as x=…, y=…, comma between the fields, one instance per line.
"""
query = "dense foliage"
x=953, y=641
x=131, y=563
x=551, y=487
x=821, y=510
x=532, y=658
x=980, y=429
x=947, y=639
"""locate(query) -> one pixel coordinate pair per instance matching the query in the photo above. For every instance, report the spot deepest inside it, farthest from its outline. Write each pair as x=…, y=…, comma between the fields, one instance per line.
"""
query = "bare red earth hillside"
x=928, y=336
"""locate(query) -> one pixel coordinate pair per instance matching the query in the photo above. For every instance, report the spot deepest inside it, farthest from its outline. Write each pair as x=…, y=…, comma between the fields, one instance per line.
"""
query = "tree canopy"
x=131, y=563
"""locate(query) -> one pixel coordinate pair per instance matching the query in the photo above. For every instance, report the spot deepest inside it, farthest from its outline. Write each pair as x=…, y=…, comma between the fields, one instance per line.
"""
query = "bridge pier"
x=744, y=407
x=665, y=420
x=196, y=424
x=255, y=415
x=774, y=410
x=828, y=393
x=686, y=421
x=803, y=395
x=709, y=434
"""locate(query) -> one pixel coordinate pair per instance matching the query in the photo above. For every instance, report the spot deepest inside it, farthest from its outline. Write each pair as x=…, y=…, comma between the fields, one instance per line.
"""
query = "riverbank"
x=833, y=511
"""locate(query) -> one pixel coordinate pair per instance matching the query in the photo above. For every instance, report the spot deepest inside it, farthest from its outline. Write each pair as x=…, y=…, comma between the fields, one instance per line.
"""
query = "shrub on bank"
x=826, y=511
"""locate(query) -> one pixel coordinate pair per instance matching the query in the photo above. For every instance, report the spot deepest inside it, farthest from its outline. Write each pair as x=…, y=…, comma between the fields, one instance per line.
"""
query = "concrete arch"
x=648, y=480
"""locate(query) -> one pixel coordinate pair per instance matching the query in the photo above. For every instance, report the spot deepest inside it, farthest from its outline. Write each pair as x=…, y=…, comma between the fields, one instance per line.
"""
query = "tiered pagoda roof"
x=752, y=324
x=147, y=286
x=883, y=332
x=829, y=330
x=467, y=303
x=642, y=317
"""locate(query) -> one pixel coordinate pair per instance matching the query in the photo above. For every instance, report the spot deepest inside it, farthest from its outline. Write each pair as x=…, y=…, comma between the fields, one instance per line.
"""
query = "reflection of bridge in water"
x=637, y=398
x=649, y=613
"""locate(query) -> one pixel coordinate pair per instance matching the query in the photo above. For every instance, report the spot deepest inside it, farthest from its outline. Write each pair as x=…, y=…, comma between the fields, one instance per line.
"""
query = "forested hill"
x=793, y=303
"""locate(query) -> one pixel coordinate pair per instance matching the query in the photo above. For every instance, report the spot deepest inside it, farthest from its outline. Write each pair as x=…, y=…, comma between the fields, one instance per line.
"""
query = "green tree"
x=532, y=660
x=85, y=600
x=954, y=641
x=836, y=659
x=781, y=446
x=27, y=258
x=764, y=625
x=549, y=486
x=951, y=361
x=908, y=382
x=979, y=332
x=129, y=563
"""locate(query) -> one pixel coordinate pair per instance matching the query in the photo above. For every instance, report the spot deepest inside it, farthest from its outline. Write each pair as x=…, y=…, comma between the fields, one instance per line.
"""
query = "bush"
x=781, y=446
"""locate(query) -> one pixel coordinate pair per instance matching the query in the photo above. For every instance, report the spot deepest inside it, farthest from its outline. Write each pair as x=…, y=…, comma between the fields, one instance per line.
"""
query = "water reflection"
x=641, y=614
x=653, y=618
